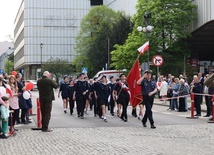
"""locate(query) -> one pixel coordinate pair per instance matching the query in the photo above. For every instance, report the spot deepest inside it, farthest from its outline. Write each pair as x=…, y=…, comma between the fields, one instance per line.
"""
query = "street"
x=175, y=134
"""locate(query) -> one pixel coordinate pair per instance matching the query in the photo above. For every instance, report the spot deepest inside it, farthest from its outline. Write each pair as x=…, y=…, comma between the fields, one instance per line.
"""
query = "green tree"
x=58, y=67
x=170, y=19
x=100, y=30
x=9, y=66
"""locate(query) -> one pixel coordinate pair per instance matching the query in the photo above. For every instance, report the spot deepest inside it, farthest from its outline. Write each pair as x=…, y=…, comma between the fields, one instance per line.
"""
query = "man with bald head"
x=46, y=96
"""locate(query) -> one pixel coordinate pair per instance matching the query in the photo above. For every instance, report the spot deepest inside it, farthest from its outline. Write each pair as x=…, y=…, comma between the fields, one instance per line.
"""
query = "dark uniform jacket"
x=80, y=87
x=69, y=91
x=103, y=91
x=147, y=87
x=122, y=93
x=197, y=89
x=45, y=87
x=63, y=87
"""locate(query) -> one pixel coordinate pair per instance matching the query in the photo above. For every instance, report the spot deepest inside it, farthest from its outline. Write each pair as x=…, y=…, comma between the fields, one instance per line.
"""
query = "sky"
x=8, y=10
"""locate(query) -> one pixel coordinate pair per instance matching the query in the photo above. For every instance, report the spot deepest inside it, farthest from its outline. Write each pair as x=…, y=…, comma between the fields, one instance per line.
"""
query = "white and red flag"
x=144, y=48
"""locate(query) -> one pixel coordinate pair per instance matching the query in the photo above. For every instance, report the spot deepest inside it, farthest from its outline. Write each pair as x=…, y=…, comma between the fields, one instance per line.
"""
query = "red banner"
x=135, y=89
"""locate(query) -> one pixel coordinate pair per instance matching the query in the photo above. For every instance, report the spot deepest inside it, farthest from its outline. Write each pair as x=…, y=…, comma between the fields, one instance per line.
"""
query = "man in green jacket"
x=46, y=96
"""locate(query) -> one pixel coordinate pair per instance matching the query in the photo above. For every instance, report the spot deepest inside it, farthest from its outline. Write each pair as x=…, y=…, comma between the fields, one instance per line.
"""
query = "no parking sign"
x=157, y=60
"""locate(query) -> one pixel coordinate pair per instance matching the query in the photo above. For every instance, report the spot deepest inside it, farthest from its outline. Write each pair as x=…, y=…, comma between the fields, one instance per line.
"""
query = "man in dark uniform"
x=149, y=89
x=46, y=96
x=80, y=91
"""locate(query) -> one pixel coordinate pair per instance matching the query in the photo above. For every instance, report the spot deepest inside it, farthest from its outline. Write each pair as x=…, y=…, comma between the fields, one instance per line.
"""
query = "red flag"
x=144, y=48
x=135, y=89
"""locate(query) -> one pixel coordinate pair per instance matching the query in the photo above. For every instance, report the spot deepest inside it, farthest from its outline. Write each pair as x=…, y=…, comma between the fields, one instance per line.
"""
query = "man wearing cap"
x=80, y=91
x=46, y=96
x=149, y=89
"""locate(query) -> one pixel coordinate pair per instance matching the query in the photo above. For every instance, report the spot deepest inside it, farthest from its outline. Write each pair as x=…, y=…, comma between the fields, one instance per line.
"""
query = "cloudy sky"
x=8, y=10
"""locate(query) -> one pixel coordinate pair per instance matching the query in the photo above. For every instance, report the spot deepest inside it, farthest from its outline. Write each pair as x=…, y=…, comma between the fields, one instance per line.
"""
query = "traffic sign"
x=157, y=60
x=84, y=70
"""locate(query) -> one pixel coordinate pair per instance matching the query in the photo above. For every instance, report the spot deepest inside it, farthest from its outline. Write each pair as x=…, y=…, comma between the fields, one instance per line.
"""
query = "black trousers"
x=148, y=102
x=46, y=114
x=80, y=105
x=181, y=104
x=124, y=102
x=208, y=100
x=197, y=102
x=15, y=115
x=94, y=102
x=23, y=115
x=112, y=105
x=71, y=105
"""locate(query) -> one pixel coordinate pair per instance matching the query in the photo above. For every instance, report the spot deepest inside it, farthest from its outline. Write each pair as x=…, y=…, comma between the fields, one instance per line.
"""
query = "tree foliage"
x=100, y=30
x=58, y=67
x=9, y=66
x=170, y=19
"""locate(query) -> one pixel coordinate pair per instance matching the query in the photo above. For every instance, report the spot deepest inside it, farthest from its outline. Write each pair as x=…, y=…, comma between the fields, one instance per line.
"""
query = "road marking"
x=167, y=113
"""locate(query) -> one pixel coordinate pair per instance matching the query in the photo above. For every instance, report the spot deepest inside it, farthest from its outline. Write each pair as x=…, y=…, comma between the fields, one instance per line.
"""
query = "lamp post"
x=146, y=29
x=41, y=53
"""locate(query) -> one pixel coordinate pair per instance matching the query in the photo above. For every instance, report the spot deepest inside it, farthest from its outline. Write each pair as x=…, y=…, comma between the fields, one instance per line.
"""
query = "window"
x=96, y=2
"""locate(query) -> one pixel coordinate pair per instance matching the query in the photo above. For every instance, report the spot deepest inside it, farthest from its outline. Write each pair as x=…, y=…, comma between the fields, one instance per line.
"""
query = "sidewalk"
x=166, y=103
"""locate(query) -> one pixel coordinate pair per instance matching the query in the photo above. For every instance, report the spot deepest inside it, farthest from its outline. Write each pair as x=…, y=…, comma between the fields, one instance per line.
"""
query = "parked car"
x=34, y=82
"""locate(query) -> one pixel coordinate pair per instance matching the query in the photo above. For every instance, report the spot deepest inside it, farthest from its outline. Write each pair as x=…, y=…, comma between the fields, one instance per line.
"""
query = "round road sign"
x=157, y=60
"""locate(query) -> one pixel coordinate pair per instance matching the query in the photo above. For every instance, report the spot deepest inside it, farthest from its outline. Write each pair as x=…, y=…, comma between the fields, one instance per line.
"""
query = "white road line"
x=167, y=113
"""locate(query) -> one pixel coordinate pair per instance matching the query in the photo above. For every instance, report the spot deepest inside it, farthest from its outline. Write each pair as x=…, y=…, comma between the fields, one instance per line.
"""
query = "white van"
x=109, y=73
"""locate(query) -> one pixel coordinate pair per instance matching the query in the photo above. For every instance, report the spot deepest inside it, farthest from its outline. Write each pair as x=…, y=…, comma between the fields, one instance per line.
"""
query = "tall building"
x=47, y=28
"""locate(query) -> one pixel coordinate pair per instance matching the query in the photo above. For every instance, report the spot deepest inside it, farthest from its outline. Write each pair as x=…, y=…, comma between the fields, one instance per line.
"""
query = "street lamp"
x=41, y=53
x=146, y=29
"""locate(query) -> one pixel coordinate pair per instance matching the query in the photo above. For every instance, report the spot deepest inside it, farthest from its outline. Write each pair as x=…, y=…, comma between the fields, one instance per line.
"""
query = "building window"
x=96, y=2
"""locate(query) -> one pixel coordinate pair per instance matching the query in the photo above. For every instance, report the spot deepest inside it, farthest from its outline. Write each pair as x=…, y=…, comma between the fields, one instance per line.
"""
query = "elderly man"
x=197, y=88
x=46, y=96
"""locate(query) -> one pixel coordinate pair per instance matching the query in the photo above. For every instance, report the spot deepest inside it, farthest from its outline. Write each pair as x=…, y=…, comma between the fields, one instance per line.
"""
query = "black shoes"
x=198, y=115
x=125, y=120
x=207, y=116
x=135, y=115
x=48, y=130
x=144, y=125
x=153, y=127
x=3, y=136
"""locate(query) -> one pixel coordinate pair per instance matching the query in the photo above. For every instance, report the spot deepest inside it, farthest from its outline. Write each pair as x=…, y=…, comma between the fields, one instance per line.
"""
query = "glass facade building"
x=52, y=23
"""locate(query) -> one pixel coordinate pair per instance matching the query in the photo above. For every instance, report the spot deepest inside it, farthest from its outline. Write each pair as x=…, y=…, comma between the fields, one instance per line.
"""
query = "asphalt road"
x=161, y=117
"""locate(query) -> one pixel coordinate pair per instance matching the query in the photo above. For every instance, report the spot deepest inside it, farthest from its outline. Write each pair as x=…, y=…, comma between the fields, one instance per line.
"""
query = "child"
x=5, y=115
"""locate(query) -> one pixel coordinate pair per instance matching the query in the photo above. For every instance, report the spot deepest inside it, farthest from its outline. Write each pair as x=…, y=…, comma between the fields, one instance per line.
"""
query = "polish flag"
x=144, y=48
